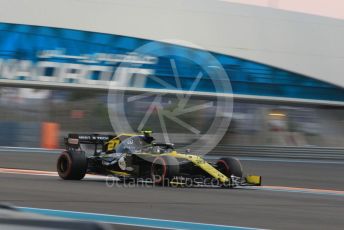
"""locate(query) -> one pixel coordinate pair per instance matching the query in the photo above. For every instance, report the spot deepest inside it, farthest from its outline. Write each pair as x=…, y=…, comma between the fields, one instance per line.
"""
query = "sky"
x=327, y=8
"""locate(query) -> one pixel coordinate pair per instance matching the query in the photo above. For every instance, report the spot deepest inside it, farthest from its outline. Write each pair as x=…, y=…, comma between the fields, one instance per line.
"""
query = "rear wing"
x=74, y=140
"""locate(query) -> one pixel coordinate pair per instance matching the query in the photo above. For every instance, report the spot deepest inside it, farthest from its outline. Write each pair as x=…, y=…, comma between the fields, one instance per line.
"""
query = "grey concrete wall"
x=14, y=133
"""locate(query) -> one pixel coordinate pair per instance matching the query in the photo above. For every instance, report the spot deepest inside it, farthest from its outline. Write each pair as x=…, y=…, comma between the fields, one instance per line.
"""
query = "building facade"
x=285, y=69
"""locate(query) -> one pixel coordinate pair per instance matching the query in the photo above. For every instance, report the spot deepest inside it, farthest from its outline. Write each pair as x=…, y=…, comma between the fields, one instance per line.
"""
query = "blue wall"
x=23, y=42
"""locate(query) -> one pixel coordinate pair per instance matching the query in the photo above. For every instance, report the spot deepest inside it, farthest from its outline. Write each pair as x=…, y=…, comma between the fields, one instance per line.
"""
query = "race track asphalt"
x=239, y=207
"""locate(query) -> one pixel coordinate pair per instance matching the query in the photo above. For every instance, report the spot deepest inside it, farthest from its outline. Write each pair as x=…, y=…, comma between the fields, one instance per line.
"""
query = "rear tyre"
x=229, y=166
x=72, y=165
x=163, y=169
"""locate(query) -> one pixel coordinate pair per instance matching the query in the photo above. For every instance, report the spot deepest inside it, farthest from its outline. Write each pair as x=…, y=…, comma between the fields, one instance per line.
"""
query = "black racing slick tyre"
x=229, y=166
x=164, y=168
x=72, y=165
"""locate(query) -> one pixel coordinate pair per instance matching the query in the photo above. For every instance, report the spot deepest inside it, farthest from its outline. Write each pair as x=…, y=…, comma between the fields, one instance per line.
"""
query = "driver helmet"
x=147, y=135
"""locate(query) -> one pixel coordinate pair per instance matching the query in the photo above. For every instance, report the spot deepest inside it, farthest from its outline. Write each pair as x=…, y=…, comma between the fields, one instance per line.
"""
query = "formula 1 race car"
x=137, y=156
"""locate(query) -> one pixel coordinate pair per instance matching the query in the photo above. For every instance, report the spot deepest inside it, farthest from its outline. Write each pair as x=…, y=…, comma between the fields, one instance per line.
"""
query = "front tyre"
x=230, y=166
x=72, y=165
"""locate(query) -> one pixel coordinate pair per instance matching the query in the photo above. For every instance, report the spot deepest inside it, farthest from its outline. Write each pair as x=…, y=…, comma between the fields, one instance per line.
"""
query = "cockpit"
x=140, y=144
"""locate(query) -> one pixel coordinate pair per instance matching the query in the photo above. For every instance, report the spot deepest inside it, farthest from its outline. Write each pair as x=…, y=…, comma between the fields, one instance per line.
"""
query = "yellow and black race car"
x=137, y=156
